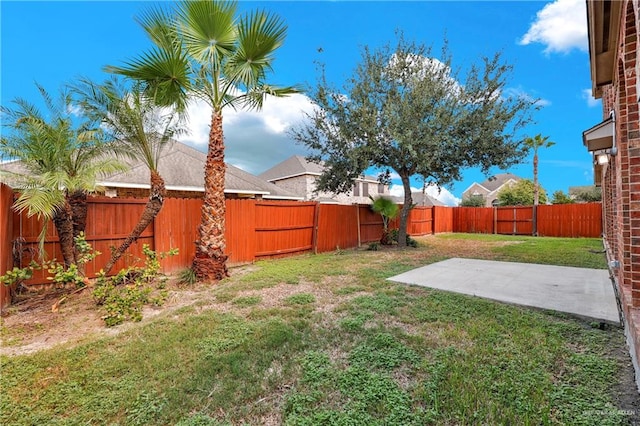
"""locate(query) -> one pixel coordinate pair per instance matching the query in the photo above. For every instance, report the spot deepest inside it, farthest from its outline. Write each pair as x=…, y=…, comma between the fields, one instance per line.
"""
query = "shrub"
x=124, y=295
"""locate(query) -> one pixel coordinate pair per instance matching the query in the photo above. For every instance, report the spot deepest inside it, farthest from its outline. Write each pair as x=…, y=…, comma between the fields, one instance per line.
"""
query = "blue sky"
x=55, y=42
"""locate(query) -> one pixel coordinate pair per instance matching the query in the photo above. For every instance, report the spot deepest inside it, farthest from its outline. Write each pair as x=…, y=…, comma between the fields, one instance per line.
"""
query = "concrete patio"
x=582, y=292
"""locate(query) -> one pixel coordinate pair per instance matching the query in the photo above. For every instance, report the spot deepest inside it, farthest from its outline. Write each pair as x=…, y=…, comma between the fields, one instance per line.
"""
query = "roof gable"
x=498, y=180
x=295, y=165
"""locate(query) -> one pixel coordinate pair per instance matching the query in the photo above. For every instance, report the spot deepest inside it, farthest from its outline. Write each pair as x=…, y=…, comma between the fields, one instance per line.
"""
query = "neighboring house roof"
x=182, y=168
x=495, y=182
x=575, y=190
x=297, y=165
x=420, y=199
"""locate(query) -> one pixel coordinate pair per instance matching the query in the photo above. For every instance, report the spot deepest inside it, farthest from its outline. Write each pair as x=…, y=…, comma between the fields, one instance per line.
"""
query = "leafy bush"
x=124, y=295
x=58, y=272
x=410, y=241
x=375, y=246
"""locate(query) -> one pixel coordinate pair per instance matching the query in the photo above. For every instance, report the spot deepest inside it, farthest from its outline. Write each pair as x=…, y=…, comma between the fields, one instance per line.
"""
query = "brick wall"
x=621, y=179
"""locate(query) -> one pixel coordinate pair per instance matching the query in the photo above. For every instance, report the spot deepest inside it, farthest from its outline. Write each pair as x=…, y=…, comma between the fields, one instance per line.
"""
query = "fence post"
x=314, y=233
x=6, y=237
x=358, y=222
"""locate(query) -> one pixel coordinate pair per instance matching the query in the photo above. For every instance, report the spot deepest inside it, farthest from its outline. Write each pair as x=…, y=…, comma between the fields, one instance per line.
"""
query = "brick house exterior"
x=298, y=176
x=615, y=143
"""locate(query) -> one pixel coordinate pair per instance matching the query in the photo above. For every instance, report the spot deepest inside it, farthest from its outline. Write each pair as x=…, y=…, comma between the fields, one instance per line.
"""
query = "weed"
x=245, y=301
x=187, y=276
x=300, y=299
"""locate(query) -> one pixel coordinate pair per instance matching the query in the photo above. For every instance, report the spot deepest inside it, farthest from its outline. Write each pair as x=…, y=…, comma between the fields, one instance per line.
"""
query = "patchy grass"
x=579, y=252
x=327, y=340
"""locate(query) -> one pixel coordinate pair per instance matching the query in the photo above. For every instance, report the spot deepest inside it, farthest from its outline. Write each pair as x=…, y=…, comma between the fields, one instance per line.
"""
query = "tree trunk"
x=209, y=263
x=78, y=202
x=157, y=192
x=63, y=222
x=536, y=195
x=404, y=213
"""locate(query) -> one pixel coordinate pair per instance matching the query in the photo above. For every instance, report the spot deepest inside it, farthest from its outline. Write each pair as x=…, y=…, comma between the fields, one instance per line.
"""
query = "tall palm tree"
x=535, y=143
x=138, y=130
x=203, y=50
x=61, y=161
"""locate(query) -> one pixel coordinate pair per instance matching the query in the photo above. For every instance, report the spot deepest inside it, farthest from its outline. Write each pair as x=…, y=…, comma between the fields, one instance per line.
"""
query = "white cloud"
x=561, y=26
x=588, y=96
x=254, y=140
x=520, y=93
x=442, y=195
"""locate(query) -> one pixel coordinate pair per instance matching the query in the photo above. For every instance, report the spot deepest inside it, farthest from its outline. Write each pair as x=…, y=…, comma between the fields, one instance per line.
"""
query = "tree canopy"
x=560, y=197
x=473, y=201
x=520, y=193
x=404, y=111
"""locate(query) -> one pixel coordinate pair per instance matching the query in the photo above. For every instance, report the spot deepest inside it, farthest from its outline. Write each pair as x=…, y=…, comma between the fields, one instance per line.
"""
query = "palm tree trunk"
x=404, y=213
x=78, y=202
x=536, y=194
x=210, y=261
x=63, y=222
x=157, y=193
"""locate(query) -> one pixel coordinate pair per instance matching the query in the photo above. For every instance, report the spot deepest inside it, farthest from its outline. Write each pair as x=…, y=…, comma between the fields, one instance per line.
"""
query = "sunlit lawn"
x=325, y=339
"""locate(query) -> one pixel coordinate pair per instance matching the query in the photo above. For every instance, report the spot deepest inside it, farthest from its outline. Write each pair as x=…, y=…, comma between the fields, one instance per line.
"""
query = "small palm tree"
x=388, y=210
x=202, y=49
x=61, y=162
x=140, y=131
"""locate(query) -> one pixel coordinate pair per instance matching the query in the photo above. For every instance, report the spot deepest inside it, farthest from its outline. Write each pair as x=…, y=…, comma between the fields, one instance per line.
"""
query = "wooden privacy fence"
x=6, y=231
x=257, y=229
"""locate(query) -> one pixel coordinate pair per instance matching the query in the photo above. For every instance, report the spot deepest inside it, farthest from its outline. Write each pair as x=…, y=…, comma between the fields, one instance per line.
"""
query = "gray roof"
x=420, y=199
x=297, y=165
x=293, y=166
x=498, y=180
x=182, y=167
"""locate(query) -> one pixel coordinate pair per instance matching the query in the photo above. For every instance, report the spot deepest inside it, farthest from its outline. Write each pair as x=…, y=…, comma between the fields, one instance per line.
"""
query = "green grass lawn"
x=324, y=340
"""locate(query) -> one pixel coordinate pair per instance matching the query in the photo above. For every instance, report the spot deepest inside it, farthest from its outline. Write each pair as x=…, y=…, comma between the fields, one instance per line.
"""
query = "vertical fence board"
x=283, y=228
x=176, y=226
x=514, y=220
x=570, y=220
x=6, y=229
x=420, y=221
x=337, y=227
x=474, y=220
x=370, y=224
x=442, y=219
x=240, y=231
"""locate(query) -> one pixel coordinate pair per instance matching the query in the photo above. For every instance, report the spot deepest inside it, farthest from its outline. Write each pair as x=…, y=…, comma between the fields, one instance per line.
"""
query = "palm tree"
x=388, y=210
x=60, y=163
x=139, y=130
x=202, y=49
x=538, y=141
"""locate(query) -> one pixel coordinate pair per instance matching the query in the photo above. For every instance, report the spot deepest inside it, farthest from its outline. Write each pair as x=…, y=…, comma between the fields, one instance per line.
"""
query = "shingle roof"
x=420, y=199
x=182, y=166
x=297, y=165
x=498, y=180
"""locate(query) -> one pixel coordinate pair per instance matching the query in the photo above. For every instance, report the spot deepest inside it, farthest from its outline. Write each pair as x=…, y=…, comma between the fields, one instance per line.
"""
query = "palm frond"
x=158, y=23
x=254, y=98
x=208, y=30
x=259, y=35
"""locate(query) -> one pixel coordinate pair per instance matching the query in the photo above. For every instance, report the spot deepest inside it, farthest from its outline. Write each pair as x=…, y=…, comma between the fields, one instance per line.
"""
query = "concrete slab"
x=580, y=291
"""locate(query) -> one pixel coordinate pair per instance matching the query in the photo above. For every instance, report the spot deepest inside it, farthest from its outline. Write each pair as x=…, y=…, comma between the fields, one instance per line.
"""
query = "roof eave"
x=603, y=24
